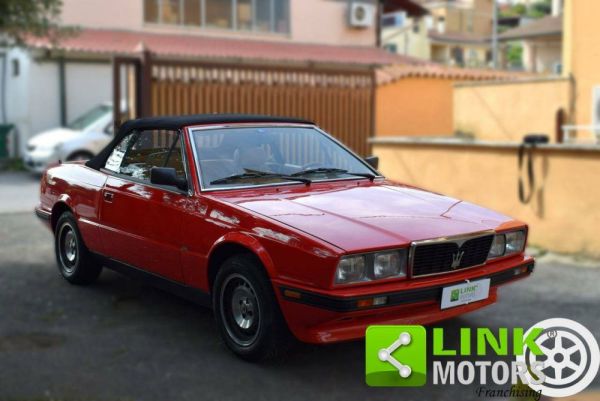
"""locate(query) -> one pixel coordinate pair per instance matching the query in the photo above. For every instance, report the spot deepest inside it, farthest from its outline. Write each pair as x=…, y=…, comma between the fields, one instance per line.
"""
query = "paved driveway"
x=19, y=191
x=118, y=340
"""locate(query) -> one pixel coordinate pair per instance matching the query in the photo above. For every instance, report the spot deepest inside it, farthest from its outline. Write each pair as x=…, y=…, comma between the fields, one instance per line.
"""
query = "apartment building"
x=453, y=32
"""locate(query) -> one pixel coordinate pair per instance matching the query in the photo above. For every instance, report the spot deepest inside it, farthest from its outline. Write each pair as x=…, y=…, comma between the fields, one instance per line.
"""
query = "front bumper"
x=45, y=216
x=323, y=318
x=38, y=162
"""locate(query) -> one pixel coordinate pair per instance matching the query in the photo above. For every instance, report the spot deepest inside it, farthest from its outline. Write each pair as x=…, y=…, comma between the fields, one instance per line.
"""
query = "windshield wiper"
x=325, y=170
x=258, y=174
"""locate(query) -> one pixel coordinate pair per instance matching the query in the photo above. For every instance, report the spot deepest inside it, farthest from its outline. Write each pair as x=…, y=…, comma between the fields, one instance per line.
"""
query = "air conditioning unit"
x=361, y=14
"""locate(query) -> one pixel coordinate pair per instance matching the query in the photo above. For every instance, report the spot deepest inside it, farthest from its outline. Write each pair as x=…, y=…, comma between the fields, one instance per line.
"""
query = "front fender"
x=249, y=242
x=63, y=201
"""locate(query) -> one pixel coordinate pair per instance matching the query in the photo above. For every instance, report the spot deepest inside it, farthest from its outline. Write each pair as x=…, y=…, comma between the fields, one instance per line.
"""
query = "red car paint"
x=298, y=232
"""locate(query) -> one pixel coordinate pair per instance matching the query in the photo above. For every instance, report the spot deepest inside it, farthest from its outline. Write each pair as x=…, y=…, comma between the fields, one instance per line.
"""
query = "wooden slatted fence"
x=341, y=102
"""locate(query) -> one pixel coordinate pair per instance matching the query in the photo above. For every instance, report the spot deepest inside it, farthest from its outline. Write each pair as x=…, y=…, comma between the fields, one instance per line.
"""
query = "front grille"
x=450, y=255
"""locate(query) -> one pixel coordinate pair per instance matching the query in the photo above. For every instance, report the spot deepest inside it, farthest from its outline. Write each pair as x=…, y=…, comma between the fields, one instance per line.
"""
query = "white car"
x=80, y=140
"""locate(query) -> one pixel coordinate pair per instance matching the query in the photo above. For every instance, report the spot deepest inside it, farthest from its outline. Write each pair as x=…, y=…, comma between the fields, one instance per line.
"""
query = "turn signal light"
x=521, y=270
x=368, y=302
x=292, y=294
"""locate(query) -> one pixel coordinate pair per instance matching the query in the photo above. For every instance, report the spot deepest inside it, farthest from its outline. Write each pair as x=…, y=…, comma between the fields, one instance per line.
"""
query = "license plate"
x=465, y=293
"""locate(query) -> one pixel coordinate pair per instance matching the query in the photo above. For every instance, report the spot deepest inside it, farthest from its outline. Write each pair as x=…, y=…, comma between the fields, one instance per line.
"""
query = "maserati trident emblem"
x=456, y=258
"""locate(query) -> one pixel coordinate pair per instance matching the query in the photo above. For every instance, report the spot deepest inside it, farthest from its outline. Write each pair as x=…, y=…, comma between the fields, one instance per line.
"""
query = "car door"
x=141, y=222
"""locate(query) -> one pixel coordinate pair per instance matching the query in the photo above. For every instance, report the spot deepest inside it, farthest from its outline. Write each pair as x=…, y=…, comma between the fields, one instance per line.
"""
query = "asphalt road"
x=18, y=191
x=118, y=340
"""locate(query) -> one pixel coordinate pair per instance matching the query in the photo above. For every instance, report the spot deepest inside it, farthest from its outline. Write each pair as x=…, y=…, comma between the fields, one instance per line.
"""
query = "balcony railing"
x=581, y=133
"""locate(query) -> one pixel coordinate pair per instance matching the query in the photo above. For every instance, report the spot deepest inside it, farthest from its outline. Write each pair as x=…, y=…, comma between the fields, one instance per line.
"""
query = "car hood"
x=53, y=137
x=371, y=216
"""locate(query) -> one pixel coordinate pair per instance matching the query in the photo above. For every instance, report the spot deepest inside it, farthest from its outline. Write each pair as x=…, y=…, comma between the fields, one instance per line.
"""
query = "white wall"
x=33, y=97
x=3, y=77
x=87, y=85
x=43, y=97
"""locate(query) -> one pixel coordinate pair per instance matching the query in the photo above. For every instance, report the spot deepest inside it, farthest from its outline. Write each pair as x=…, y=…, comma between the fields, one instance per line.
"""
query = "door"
x=141, y=222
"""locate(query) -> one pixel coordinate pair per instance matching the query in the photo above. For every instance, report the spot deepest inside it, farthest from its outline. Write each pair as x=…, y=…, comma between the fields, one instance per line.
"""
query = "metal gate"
x=340, y=101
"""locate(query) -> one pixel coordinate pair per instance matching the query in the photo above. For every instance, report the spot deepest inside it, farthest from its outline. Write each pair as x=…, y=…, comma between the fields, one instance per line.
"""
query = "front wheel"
x=75, y=263
x=247, y=312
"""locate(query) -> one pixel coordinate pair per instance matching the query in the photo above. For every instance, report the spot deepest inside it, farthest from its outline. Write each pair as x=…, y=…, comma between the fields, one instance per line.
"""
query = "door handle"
x=108, y=196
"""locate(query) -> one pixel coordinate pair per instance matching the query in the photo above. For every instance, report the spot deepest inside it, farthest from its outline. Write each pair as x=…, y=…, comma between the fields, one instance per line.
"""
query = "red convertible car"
x=278, y=227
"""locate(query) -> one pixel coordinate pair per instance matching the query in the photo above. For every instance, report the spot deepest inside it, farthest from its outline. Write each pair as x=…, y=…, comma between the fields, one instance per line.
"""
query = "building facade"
x=407, y=35
x=541, y=43
x=581, y=41
x=302, y=21
x=454, y=33
x=46, y=86
x=461, y=32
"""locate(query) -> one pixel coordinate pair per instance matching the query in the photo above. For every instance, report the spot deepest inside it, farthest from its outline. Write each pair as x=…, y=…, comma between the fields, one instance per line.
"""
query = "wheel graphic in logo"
x=570, y=361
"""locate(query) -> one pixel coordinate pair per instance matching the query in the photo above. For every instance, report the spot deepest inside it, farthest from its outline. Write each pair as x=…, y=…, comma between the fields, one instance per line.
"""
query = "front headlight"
x=515, y=242
x=371, y=266
x=351, y=269
x=387, y=264
x=508, y=243
x=498, y=246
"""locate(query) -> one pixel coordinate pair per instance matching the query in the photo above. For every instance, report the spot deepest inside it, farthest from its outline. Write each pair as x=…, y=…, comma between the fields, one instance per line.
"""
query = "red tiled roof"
x=111, y=42
x=392, y=73
x=547, y=26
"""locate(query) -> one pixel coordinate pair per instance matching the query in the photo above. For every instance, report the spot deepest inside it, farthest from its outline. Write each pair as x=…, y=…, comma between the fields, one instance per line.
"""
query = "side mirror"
x=109, y=129
x=167, y=176
x=373, y=161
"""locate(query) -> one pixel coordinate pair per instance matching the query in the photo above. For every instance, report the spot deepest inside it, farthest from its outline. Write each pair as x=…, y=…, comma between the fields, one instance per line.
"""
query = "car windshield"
x=90, y=117
x=250, y=156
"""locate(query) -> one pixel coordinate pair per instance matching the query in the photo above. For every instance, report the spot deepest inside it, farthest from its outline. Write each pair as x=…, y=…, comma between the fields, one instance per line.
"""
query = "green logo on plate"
x=454, y=295
x=396, y=356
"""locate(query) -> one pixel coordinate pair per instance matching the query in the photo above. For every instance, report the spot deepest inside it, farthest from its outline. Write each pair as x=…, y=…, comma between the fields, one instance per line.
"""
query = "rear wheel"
x=75, y=263
x=247, y=312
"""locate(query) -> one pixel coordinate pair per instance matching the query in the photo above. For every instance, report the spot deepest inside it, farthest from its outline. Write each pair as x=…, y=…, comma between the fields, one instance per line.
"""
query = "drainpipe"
x=495, y=33
x=62, y=91
x=572, y=99
x=378, y=23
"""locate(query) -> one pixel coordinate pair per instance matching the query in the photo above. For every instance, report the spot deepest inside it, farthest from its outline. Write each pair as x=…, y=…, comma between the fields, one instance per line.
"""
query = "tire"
x=82, y=155
x=75, y=262
x=247, y=312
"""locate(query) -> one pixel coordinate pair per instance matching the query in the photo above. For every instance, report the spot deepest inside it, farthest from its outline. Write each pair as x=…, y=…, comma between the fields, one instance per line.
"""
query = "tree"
x=540, y=9
x=20, y=19
x=515, y=55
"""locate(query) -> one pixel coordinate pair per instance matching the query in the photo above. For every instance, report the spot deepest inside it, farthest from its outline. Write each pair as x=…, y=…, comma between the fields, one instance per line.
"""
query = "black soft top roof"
x=179, y=122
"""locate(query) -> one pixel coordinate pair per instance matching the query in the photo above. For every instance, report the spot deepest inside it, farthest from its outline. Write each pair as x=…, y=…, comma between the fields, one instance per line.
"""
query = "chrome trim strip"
x=457, y=239
x=203, y=188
